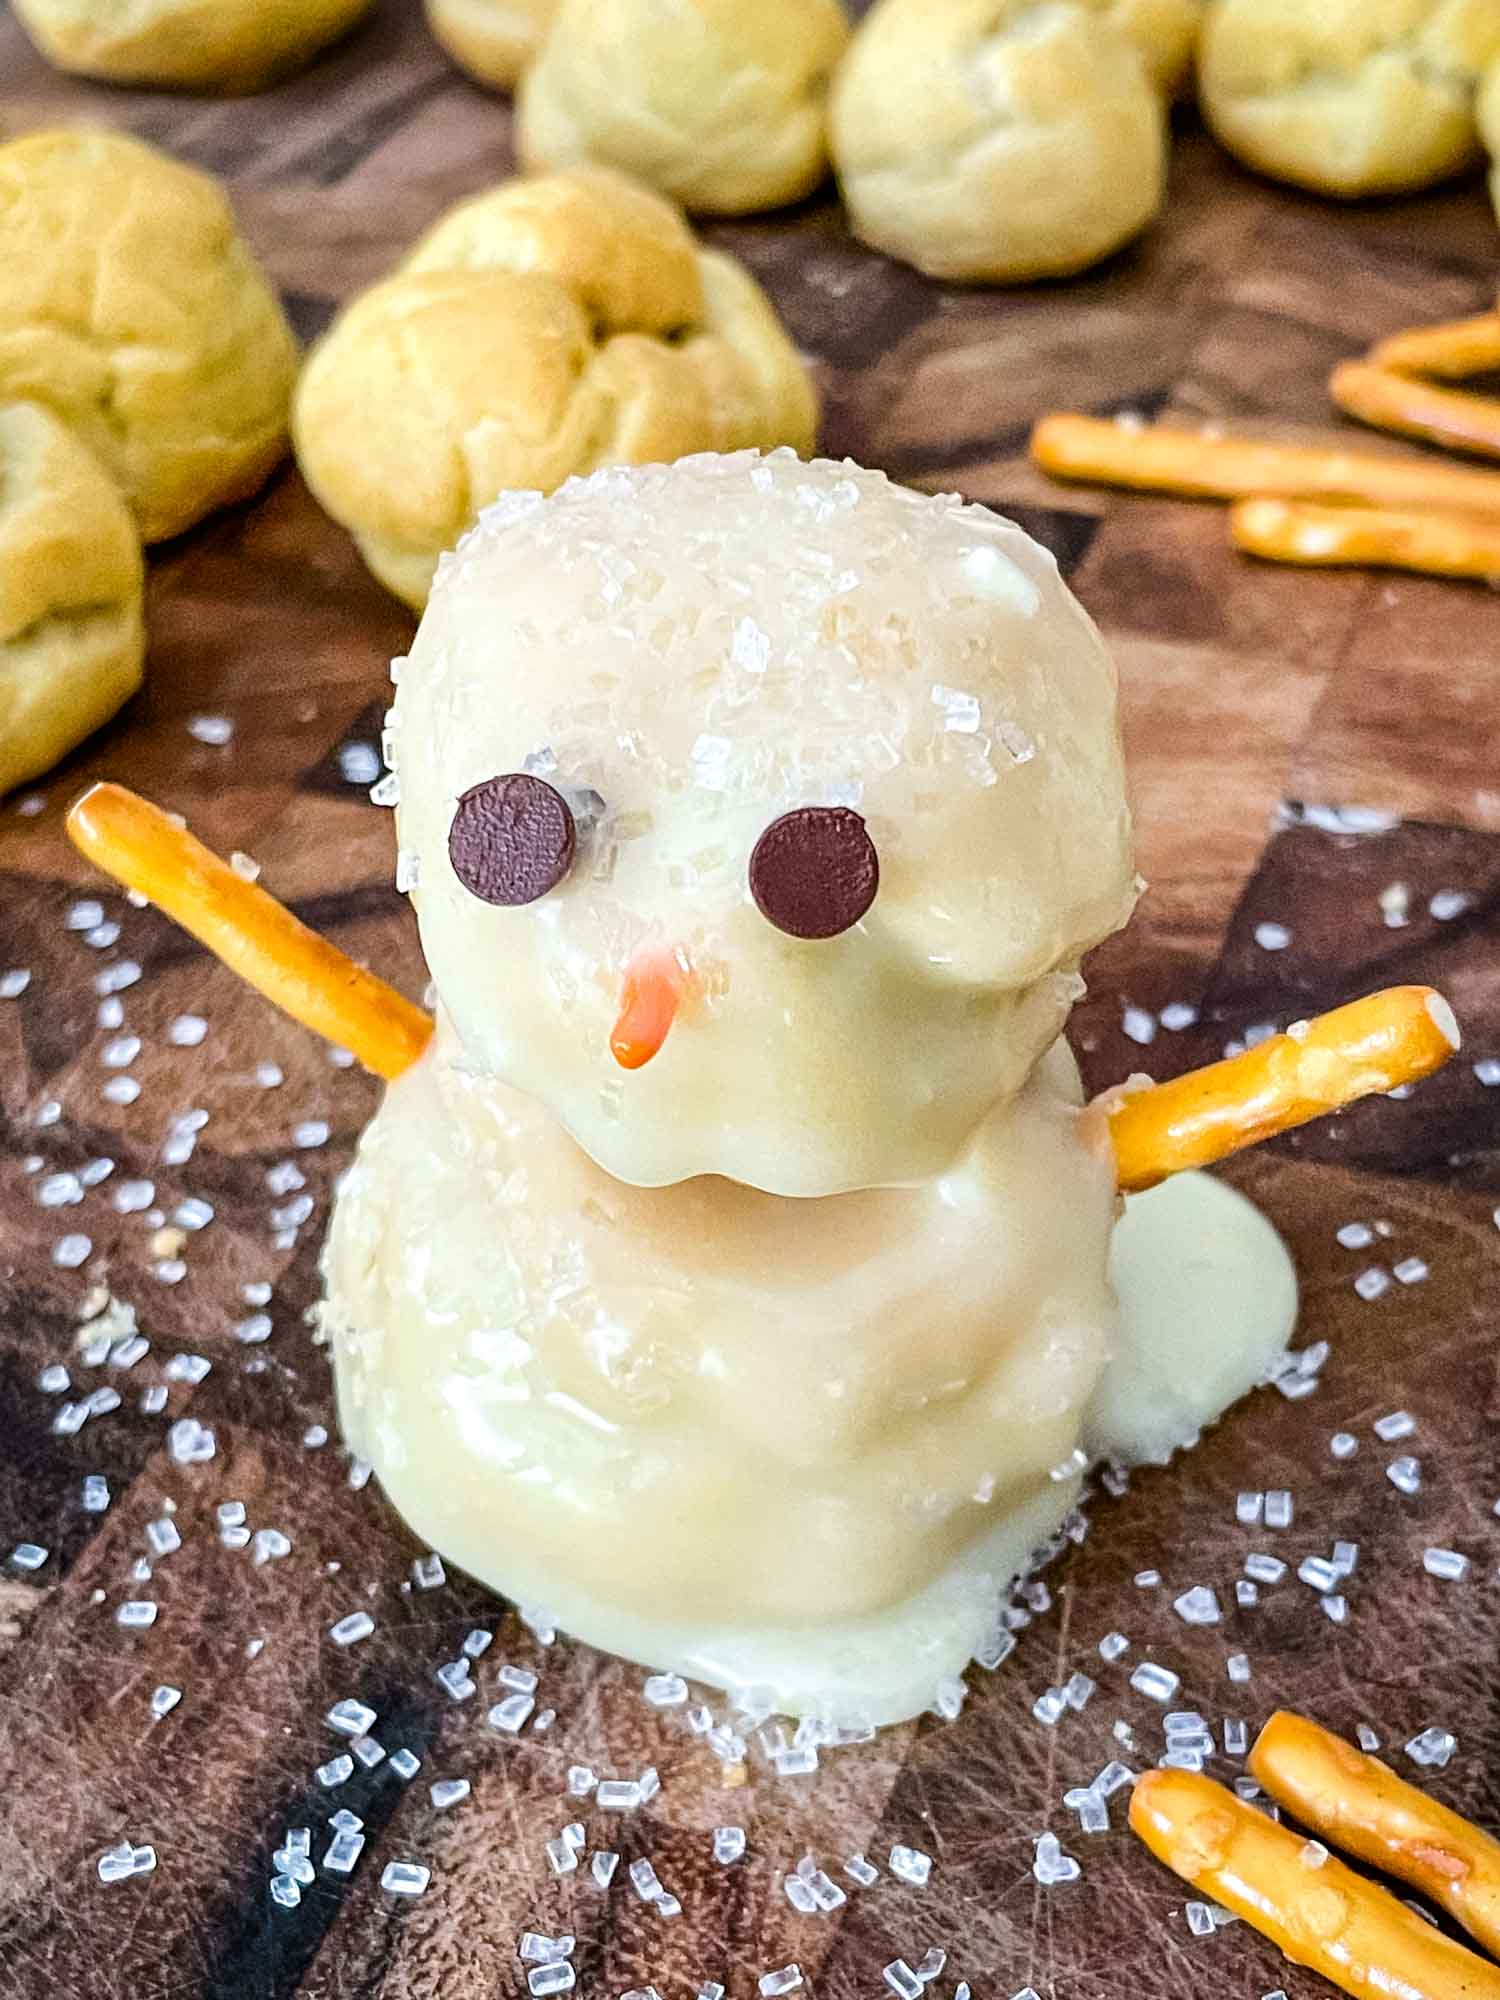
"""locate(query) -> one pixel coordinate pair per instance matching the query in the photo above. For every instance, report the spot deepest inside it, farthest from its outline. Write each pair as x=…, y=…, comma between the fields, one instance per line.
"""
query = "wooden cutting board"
x=1255, y=701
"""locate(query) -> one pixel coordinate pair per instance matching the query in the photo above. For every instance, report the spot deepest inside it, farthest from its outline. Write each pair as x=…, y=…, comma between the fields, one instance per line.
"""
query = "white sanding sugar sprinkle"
x=1200, y=1920
x=68, y=1252
x=136, y=1613
x=910, y=1864
x=1410, y=1271
x=447, y=1792
x=666, y=1690
x=1318, y=1573
x=1112, y=1645
x=28, y=1555
x=1278, y=1508
x=1372, y=1282
x=117, y=1864
x=786, y=1979
x=511, y=1715
x=14, y=982
x=1156, y=1683
x=1399, y=1424
x=1272, y=937
x=1138, y=1025
x=1176, y=1016
x=546, y=1979
x=405, y=1878
x=536, y=1948
x=902, y=1981
x=1198, y=1606
x=1265, y=1569
x=216, y=730
x=1432, y=1749
x=1050, y=1865
x=1355, y=1236
x=1446, y=1564
x=1343, y=1444
x=1448, y=904
x=351, y=1717
x=1405, y=1474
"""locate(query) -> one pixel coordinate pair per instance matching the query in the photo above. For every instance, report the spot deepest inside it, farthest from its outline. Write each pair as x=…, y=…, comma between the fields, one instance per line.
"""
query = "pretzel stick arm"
x=1303, y=532
x=1372, y=1045
x=1362, y=1806
x=1320, y=1913
x=256, y=936
x=1452, y=351
x=1227, y=468
x=1388, y=401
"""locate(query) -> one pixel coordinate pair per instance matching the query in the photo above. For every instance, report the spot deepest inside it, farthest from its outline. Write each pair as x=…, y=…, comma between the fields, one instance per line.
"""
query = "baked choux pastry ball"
x=996, y=141
x=1164, y=33
x=229, y=45
x=131, y=307
x=1348, y=97
x=544, y=329
x=1487, y=113
x=492, y=39
x=72, y=638
x=721, y=104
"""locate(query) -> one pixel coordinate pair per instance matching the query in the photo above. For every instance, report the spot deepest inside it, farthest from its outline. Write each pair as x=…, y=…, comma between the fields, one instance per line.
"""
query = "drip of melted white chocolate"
x=796, y=1445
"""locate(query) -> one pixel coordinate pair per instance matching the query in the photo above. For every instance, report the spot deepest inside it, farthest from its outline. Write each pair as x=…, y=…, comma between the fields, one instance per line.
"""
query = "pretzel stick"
x=1226, y=468
x=1362, y=1806
x=1301, y=531
x=1388, y=1038
x=262, y=941
x=1452, y=352
x=1318, y=1912
x=1414, y=408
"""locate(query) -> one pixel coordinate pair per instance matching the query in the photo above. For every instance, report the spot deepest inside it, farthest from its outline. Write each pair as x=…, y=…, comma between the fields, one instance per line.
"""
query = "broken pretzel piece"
x=1451, y=352
x=1388, y=401
x=1322, y=537
x=1361, y=1805
x=1371, y=1046
x=306, y=976
x=1320, y=1913
x=1196, y=465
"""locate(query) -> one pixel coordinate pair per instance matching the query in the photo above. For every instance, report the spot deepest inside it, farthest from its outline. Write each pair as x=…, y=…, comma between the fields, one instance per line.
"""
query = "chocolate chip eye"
x=512, y=839
x=814, y=871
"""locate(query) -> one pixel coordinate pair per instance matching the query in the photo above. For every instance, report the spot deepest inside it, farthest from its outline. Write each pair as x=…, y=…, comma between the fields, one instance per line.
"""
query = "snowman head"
x=759, y=814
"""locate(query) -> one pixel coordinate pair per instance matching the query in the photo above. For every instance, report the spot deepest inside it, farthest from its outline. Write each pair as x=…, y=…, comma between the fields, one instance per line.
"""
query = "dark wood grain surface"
x=1244, y=689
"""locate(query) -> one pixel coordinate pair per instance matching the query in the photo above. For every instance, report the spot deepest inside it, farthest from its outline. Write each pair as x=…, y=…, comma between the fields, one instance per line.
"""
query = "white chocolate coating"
x=707, y=646
x=799, y=1445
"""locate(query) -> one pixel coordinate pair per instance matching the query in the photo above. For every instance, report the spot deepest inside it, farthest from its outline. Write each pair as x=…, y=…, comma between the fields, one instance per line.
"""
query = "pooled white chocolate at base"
x=794, y=1444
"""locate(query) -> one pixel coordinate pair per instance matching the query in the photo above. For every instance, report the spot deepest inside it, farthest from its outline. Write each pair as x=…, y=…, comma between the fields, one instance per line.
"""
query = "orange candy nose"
x=649, y=1001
